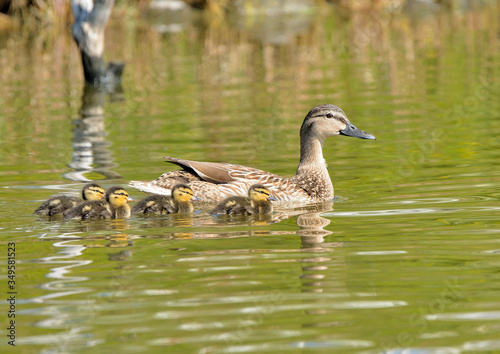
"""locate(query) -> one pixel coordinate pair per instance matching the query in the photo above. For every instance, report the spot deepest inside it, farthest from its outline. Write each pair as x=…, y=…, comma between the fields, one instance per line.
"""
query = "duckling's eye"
x=186, y=191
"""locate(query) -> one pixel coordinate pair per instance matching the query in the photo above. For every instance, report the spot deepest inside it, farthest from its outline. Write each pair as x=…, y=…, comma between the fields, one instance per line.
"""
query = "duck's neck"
x=312, y=171
x=311, y=154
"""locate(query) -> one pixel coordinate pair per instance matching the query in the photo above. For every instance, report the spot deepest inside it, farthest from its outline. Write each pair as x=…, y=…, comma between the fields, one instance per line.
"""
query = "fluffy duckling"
x=114, y=207
x=179, y=202
x=258, y=202
x=60, y=203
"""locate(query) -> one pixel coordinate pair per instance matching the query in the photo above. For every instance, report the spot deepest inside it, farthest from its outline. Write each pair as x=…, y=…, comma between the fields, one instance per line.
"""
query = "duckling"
x=214, y=181
x=60, y=203
x=258, y=202
x=114, y=207
x=179, y=202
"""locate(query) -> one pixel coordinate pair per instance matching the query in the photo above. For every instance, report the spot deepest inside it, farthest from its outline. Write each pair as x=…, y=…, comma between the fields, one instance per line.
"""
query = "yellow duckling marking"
x=93, y=192
x=183, y=194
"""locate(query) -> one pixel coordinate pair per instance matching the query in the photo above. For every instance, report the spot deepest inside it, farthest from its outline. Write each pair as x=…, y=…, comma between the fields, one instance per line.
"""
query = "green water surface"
x=407, y=257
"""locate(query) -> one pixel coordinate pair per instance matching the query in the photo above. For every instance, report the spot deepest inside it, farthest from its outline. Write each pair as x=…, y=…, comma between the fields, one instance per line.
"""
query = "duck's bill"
x=351, y=130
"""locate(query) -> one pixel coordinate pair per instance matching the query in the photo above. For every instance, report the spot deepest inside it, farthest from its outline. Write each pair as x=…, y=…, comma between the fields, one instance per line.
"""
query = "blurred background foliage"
x=58, y=12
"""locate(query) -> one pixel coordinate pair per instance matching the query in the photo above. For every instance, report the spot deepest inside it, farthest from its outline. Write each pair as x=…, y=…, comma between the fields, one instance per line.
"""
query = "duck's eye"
x=329, y=115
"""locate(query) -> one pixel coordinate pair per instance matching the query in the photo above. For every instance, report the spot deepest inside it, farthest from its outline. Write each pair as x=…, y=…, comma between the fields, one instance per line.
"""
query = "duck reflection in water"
x=312, y=234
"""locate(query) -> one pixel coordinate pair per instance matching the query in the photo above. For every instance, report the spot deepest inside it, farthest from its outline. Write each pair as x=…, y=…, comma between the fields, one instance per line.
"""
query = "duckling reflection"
x=120, y=256
x=90, y=147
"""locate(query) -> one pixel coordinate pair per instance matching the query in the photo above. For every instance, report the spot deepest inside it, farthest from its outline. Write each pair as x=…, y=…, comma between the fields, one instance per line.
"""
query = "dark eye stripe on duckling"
x=262, y=191
x=187, y=192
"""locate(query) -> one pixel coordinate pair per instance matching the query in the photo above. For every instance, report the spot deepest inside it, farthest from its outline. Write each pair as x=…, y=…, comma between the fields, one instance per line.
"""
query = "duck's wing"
x=212, y=181
x=220, y=173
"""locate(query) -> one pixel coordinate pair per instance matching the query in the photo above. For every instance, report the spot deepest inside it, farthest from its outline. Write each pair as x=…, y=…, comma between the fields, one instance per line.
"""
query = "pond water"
x=407, y=257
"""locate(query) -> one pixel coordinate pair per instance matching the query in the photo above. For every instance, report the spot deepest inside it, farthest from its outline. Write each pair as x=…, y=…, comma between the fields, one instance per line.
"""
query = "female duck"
x=114, y=207
x=59, y=203
x=312, y=183
x=180, y=202
x=258, y=202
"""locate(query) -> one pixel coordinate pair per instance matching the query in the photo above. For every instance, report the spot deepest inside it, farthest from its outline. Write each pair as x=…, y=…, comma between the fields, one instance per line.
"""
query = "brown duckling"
x=179, y=202
x=258, y=202
x=60, y=203
x=114, y=207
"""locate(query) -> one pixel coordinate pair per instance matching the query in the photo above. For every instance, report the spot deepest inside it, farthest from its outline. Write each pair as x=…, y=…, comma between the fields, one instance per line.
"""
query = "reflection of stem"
x=90, y=147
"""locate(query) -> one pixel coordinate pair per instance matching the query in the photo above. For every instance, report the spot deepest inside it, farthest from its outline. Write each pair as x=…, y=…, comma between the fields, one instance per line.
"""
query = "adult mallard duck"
x=114, y=207
x=59, y=203
x=179, y=202
x=258, y=202
x=213, y=181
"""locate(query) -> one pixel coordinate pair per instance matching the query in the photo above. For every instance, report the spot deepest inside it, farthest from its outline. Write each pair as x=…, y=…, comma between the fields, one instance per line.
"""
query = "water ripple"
x=379, y=253
x=467, y=316
x=390, y=212
x=482, y=345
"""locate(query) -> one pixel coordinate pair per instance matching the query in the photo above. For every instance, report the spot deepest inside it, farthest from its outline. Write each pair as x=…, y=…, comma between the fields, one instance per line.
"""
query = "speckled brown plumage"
x=213, y=182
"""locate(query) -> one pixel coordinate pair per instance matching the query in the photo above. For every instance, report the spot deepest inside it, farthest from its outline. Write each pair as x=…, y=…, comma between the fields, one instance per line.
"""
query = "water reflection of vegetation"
x=358, y=44
x=91, y=154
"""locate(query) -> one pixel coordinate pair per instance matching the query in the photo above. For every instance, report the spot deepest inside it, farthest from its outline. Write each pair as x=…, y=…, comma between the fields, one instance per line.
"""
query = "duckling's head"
x=182, y=193
x=327, y=120
x=92, y=191
x=259, y=193
x=117, y=196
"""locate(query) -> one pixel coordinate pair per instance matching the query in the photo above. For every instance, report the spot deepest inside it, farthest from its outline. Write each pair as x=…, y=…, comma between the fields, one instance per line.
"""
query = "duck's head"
x=182, y=193
x=92, y=191
x=117, y=196
x=259, y=193
x=327, y=120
